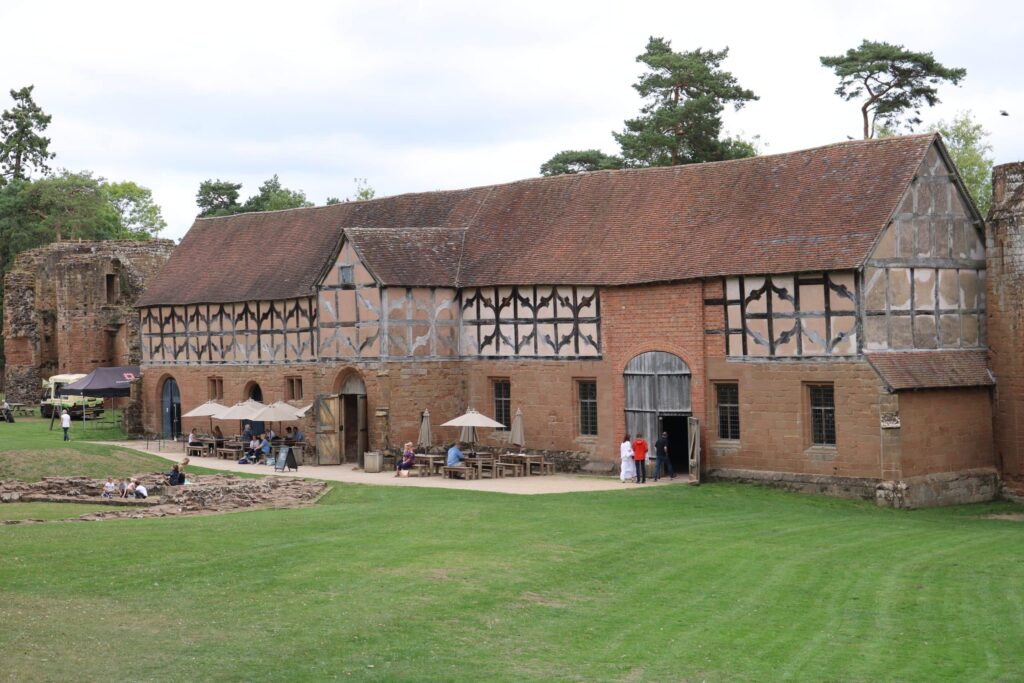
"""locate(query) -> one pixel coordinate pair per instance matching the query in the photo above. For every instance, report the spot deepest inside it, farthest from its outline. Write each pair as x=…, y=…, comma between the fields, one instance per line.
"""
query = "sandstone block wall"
x=68, y=307
x=1005, y=255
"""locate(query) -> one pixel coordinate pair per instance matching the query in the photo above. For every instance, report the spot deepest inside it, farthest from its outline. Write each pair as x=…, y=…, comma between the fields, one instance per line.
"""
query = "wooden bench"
x=513, y=469
x=467, y=472
x=196, y=451
x=230, y=452
x=543, y=467
x=422, y=469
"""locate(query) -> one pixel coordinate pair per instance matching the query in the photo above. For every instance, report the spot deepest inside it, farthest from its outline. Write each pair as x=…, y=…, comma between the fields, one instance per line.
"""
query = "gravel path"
x=555, y=483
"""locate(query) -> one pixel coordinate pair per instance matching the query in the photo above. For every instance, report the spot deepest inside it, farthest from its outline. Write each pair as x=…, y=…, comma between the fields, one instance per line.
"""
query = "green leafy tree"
x=139, y=217
x=966, y=141
x=272, y=196
x=684, y=96
x=331, y=201
x=893, y=82
x=70, y=206
x=22, y=145
x=580, y=161
x=363, y=190
x=218, y=198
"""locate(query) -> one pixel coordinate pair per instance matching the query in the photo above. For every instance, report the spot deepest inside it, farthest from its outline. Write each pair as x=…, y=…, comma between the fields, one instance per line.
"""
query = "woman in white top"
x=628, y=470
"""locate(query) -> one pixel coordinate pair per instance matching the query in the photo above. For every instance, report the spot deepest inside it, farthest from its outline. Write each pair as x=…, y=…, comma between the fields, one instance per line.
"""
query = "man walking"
x=661, y=456
x=640, y=459
x=65, y=424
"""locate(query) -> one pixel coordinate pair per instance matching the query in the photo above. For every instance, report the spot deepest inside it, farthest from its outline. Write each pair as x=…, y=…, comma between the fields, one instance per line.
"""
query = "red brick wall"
x=945, y=430
x=775, y=418
x=666, y=318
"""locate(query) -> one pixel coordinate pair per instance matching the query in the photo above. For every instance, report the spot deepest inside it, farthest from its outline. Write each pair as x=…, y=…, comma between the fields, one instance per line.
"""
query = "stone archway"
x=170, y=408
x=342, y=424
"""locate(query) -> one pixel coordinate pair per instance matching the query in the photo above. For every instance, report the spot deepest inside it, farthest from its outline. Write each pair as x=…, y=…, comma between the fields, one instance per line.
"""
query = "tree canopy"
x=22, y=145
x=680, y=121
x=894, y=82
x=580, y=161
x=220, y=198
x=684, y=96
x=972, y=155
x=138, y=216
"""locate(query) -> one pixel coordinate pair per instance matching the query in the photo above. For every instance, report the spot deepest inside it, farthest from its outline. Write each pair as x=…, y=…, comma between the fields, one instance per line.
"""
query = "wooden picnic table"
x=21, y=409
x=527, y=461
x=432, y=463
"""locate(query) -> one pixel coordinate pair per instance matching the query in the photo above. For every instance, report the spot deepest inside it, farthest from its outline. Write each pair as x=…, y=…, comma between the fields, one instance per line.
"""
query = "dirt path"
x=556, y=483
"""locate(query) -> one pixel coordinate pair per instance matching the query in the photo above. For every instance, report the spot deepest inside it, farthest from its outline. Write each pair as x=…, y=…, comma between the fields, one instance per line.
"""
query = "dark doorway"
x=256, y=394
x=678, y=442
x=170, y=404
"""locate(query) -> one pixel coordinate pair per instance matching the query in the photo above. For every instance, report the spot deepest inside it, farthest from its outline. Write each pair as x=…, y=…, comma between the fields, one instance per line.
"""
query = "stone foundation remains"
x=203, y=494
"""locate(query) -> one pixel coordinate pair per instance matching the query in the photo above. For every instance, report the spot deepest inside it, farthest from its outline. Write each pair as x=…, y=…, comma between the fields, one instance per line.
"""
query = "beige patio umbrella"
x=517, y=437
x=302, y=411
x=469, y=421
x=425, y=436
x=245, y=410
x=278, y=411
x=209, y=409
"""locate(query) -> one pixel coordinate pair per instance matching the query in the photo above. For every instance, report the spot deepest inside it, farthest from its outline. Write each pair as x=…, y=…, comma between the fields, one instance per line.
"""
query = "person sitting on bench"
x=455, y=457
x=407, y=461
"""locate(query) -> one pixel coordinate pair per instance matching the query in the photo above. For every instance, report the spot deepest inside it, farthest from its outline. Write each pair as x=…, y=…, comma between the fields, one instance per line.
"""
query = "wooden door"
x=364, y=432
x=328, y=411
x=694, y=448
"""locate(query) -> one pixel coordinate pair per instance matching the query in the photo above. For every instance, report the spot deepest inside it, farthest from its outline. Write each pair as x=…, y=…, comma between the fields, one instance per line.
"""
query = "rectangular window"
x=503, y=401
x=215, y=388
x=588, y=407
x=346, y=274
x=293, y=388
x=728, y=396
x=823, y=414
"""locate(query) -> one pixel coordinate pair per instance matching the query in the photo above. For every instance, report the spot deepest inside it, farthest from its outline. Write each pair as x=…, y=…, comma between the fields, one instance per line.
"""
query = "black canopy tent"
x=103, y=383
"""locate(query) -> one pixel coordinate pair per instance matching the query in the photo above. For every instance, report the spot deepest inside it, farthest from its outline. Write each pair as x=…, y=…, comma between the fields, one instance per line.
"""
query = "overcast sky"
x=417, y=96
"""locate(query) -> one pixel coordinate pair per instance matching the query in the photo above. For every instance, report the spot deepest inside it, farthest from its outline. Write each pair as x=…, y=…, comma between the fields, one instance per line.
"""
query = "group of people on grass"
x=125, y=488
x=633, y=455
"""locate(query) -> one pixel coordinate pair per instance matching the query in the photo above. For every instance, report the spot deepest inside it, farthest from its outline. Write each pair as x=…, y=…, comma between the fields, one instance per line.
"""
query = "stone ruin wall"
x=62, y=313
x=1005, y=247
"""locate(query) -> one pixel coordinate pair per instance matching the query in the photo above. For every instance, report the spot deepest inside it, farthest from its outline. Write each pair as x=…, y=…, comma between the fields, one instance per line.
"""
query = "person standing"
x=628, y=470
x=65, y=424
x=640, y=459
x=661, y=456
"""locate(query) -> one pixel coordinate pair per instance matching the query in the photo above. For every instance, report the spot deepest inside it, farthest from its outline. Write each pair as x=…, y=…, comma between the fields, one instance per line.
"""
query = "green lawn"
x=30, y=450
x=716, y=583
x=48, y=511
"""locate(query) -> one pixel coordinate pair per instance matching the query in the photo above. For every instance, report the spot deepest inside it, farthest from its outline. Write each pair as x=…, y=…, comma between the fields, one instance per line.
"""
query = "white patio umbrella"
x=425, y=437
x=517, y=437
x=302, y=411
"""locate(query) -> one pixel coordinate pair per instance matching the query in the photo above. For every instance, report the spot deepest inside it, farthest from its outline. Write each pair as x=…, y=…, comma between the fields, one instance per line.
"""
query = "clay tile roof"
x=932, y=369
x=814, y=209
x=410, y=256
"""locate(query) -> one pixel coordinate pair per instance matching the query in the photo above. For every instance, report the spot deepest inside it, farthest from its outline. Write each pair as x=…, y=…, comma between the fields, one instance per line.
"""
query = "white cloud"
x=419, y=96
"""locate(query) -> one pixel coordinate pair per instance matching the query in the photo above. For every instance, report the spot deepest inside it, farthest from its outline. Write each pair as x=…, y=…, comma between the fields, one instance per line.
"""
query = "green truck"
x=76, y=406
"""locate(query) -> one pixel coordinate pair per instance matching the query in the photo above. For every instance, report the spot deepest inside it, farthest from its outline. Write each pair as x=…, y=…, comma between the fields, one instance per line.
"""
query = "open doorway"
x=678, y=441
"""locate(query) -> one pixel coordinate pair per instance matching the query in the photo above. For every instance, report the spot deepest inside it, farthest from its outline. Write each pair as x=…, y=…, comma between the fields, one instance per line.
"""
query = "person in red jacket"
x=640, y=459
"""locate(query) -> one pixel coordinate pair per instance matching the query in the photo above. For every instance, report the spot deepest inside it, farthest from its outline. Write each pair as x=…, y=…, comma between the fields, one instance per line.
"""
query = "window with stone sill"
x=502, y=402
x=215, y=388
x=822, y=403
x=727, y=396
x=587, y=393
x=293, y=388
